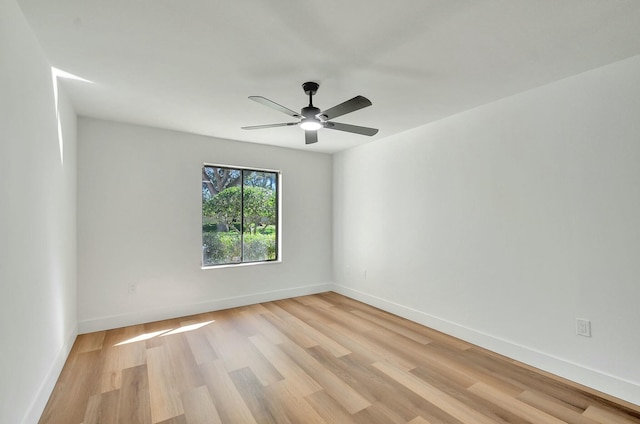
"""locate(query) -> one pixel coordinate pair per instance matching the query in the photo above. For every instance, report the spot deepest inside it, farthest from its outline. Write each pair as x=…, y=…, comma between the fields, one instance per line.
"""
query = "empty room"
x=319, y=212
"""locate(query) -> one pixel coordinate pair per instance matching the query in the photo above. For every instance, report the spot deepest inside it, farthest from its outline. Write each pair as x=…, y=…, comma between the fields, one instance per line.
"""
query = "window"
x=239, y=215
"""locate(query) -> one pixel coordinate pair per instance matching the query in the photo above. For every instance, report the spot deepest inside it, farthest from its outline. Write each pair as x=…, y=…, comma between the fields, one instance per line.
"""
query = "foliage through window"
x=239, y=215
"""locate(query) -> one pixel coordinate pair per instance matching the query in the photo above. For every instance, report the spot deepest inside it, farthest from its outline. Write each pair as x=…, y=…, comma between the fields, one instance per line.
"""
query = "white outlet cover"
x=583, y=327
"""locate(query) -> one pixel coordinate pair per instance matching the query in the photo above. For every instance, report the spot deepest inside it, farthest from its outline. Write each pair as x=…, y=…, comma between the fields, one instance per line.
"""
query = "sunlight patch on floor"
x=162, y=333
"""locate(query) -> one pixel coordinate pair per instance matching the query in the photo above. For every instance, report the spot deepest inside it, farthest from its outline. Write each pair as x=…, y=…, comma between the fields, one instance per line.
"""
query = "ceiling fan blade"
x=310, y=137
x=274, y=105
x=351, y=128
x=257, y=127
x=349, y=106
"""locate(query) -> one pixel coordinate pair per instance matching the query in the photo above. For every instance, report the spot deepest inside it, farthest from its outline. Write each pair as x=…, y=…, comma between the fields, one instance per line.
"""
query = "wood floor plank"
x=419, y=420
x=237, y=320
x=185, y=367
x=264, y=371
x=607, y=416
x=587, y=395
x=296, y=406
x=514, y=405
x=199, y=407
x=286, y=324
x=368, y=343
x=89, y=342
x=524, y=378
x=400, y=329
x=555, y=407
x=228, y=401
x=134, y=405
x=263, y=407
x=102, y=408
x=120, y=353
x=180, y=419
x=375, y=387
x=110, y=407
x=346, y=396
x=314, y=359
x=346, y=318
x=314, y=300
x=262, y=325
x=345, y=340
x=454, y=362
x=300, y=325
x=447, y=371
x=377, y=414
x=166, y=401
x=77, y=383
x=427, y=332
x=353, y=305
x=201, y=349
x=328, y=408
x=398, y=345
x=286, y=366
x=237, y=352
x=230, y=346
x=442, y=400
x=441, y=382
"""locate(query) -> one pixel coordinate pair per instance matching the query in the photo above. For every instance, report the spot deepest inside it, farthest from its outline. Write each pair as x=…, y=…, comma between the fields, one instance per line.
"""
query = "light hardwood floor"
x=314, y=359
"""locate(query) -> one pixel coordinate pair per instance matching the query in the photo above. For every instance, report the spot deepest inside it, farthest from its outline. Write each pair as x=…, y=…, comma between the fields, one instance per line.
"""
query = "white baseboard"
x=607, y=384
x=174, y=311
x=46, y=388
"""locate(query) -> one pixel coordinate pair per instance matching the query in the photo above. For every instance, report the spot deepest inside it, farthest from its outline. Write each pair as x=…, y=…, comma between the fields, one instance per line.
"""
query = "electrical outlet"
x=133, y=287
x=583, y=327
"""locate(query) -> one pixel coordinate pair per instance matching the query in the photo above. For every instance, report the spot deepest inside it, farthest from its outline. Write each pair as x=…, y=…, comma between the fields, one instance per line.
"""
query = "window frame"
x=278, y=235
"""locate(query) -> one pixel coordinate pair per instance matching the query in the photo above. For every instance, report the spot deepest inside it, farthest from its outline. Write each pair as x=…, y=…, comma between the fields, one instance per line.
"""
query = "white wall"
x=505, y=223
x=140, y=221
x=37, y=224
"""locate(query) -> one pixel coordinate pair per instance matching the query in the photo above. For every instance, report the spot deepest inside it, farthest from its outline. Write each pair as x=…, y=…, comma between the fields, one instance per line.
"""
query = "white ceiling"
x=190, y=65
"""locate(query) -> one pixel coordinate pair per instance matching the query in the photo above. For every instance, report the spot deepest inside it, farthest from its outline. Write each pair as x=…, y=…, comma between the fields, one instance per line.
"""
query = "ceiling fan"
x=312, y=118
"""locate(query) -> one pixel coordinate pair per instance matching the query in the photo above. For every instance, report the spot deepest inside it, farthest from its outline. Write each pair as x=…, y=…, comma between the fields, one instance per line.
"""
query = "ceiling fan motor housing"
x=310, y=112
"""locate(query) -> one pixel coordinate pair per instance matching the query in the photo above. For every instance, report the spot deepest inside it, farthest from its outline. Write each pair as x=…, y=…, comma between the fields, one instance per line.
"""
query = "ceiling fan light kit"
x=312, y=118
x=310, y=124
